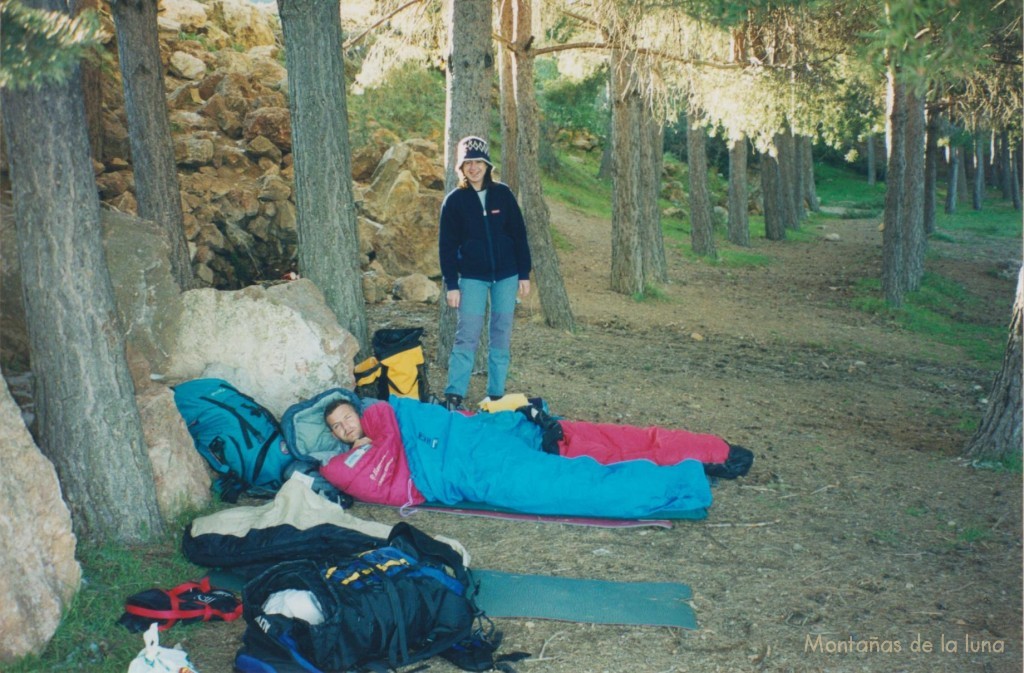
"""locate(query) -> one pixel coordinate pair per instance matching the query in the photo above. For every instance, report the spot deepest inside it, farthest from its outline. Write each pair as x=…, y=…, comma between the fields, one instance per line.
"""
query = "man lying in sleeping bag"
x=405, y=452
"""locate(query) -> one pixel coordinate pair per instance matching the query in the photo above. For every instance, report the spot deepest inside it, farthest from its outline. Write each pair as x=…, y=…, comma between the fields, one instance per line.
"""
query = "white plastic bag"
x=156, y=659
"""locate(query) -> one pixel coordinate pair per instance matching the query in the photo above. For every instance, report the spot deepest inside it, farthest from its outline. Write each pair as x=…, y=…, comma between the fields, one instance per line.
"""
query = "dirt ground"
x=858, y=542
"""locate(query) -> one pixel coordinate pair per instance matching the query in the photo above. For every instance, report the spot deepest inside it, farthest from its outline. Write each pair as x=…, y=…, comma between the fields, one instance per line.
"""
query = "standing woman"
x=484, y=251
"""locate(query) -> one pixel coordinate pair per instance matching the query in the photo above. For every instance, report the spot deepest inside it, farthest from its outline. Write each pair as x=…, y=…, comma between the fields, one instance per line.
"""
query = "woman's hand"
x=524, y=288
x=454, y=296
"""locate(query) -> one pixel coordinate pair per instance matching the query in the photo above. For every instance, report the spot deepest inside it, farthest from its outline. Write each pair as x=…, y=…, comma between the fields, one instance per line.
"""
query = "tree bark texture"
x=805, y=153
x=915, y=242
x=790, y=190
x=771, y=197
x=702, y=230
x=1005, y=166
x=149, y=131
x=952, y=180
x=87, y=421
x=999, y=434
x=872, y=173
x=893, y=238
x=931, y=170
x=1015, y=178
x=92, y=89
x=507, y=97
x=604, y=170
x=652, y=241
x=978, y=187
x=328, y=240
x=627, y=262
x=469, y=78
x=962, y=189
x=739, y=218
x=554, y=300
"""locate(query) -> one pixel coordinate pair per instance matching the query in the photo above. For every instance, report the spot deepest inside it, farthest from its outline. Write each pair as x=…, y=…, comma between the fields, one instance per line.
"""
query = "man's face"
x=344, y=424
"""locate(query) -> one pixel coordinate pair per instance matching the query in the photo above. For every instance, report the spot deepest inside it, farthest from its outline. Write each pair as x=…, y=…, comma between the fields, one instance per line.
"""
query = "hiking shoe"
x=453, y=402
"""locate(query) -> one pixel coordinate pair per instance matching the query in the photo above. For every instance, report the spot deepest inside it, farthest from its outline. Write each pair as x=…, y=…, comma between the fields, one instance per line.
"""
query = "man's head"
x=343, y=420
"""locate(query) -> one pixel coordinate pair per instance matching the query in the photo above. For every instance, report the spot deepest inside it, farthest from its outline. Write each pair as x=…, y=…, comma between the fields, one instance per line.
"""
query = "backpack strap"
x=176, y=611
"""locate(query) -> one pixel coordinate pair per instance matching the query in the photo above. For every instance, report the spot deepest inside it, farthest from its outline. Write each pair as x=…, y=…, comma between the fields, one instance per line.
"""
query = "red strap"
x=176, y=612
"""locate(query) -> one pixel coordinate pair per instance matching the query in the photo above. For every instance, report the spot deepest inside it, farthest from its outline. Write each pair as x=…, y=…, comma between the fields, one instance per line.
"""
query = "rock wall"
x=227, y=100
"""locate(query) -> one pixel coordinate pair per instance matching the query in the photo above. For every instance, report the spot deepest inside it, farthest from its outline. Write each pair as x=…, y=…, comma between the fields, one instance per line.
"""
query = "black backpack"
x=387, y=607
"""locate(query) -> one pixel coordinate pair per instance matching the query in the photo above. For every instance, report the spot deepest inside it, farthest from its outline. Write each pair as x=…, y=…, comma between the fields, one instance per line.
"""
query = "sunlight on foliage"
x=39, y=47
x=410, y=104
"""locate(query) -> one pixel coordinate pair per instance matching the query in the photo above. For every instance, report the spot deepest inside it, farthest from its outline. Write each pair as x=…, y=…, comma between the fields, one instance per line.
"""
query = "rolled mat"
x=566, y=599
x=585, y=600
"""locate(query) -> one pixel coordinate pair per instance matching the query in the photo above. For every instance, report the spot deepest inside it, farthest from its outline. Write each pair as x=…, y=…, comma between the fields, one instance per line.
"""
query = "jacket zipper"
x=490, y=240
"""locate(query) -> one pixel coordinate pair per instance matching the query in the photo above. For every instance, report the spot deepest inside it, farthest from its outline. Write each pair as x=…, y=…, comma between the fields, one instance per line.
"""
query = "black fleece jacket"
x=473, y=245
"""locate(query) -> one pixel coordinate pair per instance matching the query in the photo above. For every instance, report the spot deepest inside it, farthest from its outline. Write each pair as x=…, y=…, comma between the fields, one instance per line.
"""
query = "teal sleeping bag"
x=497, y=459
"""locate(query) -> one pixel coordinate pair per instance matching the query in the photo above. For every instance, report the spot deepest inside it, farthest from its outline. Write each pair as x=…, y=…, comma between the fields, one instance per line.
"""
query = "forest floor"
x=859, y=541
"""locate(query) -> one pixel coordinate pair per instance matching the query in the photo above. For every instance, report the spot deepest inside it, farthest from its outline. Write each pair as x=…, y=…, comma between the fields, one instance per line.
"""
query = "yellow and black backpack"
x=397, y=366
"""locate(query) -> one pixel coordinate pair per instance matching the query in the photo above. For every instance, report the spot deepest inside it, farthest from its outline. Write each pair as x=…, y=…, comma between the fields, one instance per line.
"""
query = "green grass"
x=996, y=219
x=89, y=638
x=651, y=293
x=933, y=312
x=575, y=183
x=841, y=188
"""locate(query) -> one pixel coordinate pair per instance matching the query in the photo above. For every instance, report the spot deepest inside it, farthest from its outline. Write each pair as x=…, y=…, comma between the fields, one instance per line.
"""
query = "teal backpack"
x=239, y=438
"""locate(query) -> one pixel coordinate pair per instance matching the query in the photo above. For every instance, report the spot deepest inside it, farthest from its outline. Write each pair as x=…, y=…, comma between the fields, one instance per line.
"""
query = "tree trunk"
x=604, y=170
x=931, y=171
x=702, y=231
x=739, y=220
x=787, y=179
x=999, y=434
x=469, y=77
x=652, y=241
x=771, y=197
x=870, y=142
x=92, y=89
x=915, y=242
x=149, y=132
x=627, y=262
x=1015, y=178
x=978, y=193
x=1005, y=166
x=952, y=180
x=507, y=96
x=86, y=417
x=328, y=239
x=962, y=190
x=554, y=300
x=893, y=238
x=805, y=152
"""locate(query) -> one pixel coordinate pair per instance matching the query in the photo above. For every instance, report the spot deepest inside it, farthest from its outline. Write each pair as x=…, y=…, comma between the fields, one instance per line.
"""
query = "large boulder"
x=181, y=476
x=404, y=199
x=146, y=295
x=248, y=24
x=279, y=344
x=182, y=16
x=38, y=571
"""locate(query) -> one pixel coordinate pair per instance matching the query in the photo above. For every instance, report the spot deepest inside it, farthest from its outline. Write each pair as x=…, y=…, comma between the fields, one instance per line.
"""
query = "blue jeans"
x=472, y=312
